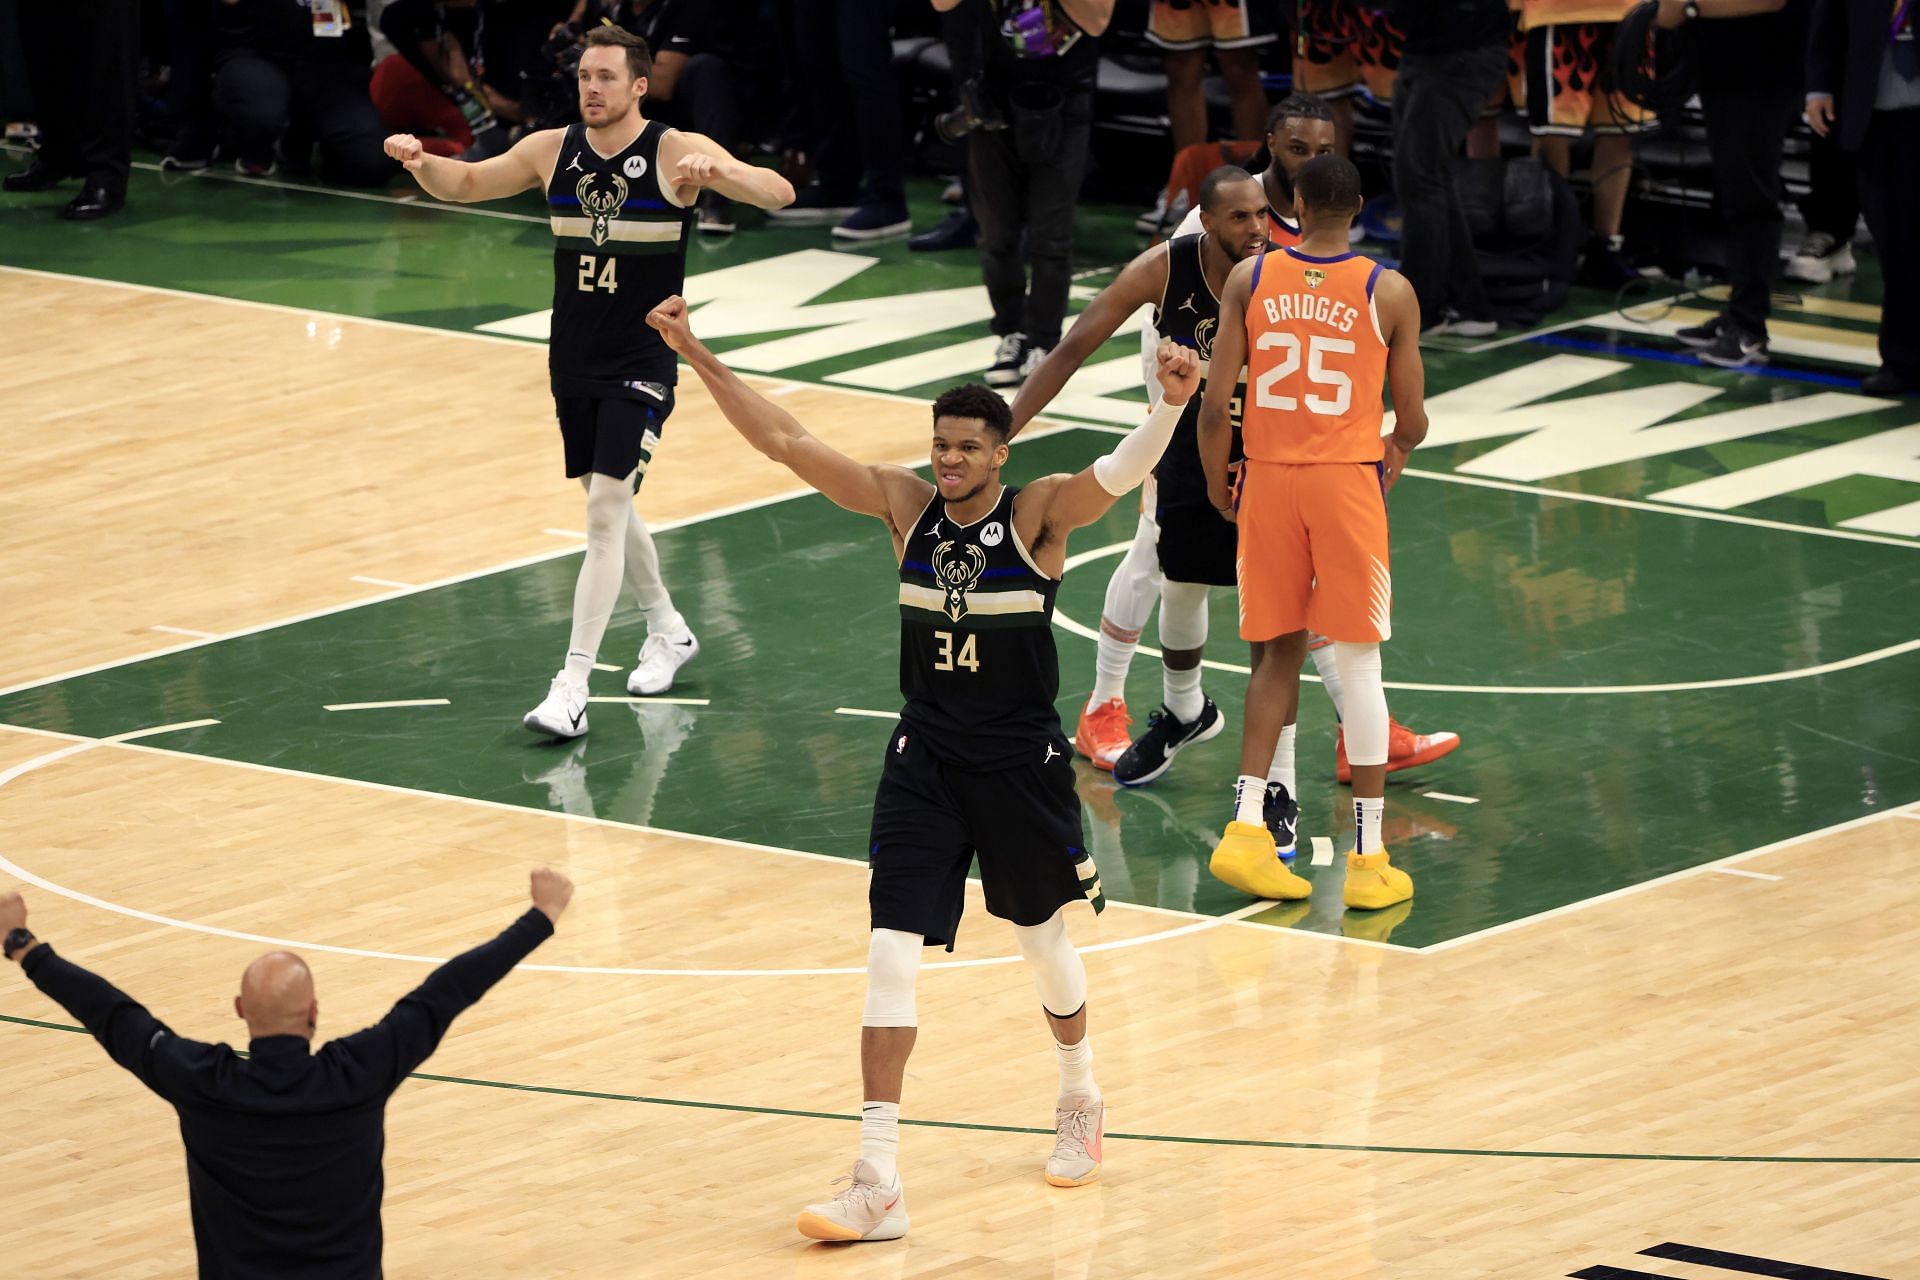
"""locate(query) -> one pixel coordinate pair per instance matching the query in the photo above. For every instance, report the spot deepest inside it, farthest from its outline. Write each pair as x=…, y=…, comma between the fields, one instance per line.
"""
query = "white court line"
x=381, y=706
x=643, y=701
x=575, y=534
x=1322, y=851
x=1911, y=816
x=606, y=666
x=183, y=631
x=1644, y=885
x=1751, y=875
x=385, y=582
x=1075, y=627
x=1197, y=923
x=862, y=711
x=1441, y=795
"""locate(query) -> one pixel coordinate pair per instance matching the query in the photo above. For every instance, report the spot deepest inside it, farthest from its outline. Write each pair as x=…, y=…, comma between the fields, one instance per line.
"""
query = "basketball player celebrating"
x=1320, y=331
x=978, y=763
x=620, y=190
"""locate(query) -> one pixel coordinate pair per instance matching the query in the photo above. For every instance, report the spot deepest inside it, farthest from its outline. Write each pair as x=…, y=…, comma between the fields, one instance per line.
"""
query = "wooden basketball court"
x=1720, y=1057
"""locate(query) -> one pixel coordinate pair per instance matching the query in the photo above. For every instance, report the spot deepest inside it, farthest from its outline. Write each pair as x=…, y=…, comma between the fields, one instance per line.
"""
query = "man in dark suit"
x=81, y=66
x=1863, y=88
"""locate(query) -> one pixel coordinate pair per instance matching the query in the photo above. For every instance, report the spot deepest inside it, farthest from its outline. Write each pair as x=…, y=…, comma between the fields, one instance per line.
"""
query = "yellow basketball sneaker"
x=1372, y=883
x=1248, y=859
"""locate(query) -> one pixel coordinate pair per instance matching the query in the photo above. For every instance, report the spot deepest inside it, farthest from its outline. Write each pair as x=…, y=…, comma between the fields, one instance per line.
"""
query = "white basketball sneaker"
x=861, y=1210
x=661, y=658
x=563, y=712
x=1079, y=1126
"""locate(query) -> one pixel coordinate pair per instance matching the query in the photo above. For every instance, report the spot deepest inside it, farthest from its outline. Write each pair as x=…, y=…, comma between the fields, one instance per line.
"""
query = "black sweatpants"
x=1889, y=172
x=1437, y=98
x=1747, y=133
x=81, y=65
x=327, y=103
x=1026, y=178
x=1832, y=202
x=854, y=107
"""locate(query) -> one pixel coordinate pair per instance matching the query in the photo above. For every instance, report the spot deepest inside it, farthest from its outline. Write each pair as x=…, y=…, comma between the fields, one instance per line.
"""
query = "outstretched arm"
x=524, y=166
x=1074, y=501
x=867, y=490
x=1215, y=431
x=697, y=161
x=1399, y=312
x=1141, y=283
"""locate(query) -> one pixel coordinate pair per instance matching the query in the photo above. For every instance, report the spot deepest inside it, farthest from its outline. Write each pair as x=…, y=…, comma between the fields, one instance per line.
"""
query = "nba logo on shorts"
x=900, y=747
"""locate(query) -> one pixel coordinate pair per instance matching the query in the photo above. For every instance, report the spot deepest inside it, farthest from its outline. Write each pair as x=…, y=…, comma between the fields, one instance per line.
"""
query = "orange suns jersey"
x=1316, y=363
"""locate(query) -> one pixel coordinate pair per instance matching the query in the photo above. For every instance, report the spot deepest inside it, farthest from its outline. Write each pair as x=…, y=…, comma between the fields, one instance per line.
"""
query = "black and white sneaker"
x=1009, y=367
x=1701, y=335
x=1152, y=752
x=715, y=216
x=1735, y=349
x=1282, y=814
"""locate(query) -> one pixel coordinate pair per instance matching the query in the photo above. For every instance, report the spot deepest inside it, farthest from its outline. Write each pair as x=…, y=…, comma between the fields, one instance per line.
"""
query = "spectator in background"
x=289, y=74
x=855, y=135
x=1234, y=31
x=1863, y=89
x=692, y=85
x=435, y=83
x=1455, y=56
x=1749, y=55
x=1570, y=93
x=1831, y=208
x=1038, y=72
x=82, y=65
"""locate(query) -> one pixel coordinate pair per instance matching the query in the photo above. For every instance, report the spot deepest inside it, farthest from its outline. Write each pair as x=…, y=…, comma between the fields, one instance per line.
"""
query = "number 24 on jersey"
x=603, y=278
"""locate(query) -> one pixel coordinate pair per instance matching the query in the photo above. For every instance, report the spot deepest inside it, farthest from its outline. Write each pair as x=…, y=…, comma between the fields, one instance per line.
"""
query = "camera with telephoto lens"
x=974, y=112
x=553, y=98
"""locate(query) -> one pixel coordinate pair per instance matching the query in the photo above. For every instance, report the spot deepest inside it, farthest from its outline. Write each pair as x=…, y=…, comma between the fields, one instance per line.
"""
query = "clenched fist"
x=1178, y=371
x=551, y=892
x=406, y=148
x=698, y=169
x=670, y=319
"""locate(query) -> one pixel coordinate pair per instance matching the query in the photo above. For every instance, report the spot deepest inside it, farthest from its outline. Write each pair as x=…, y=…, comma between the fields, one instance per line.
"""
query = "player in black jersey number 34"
x=977, y=764
x=620, y=196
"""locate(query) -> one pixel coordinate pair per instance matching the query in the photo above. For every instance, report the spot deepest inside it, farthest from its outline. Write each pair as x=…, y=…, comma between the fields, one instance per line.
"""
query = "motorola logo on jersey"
x=957, y=572
x=992, y=534
x=635, y=166
x=602, y=203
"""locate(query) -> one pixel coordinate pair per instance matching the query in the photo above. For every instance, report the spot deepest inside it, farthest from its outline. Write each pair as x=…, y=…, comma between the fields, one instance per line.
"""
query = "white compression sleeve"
x=1134, y=458
x=1365, y=696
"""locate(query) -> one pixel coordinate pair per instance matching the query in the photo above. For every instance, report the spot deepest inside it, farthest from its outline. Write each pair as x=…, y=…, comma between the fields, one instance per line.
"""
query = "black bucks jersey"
x=978, y=668
x=1190, y=315
x=619, y=250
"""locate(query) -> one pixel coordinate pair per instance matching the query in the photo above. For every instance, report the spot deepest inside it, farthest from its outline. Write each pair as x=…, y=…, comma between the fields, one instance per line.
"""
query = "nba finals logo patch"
x=603, y=205
x=1315, y=277
x=957, y=574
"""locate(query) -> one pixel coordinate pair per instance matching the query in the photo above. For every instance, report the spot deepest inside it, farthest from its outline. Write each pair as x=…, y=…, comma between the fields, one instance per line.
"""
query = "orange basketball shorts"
x=1313, y=551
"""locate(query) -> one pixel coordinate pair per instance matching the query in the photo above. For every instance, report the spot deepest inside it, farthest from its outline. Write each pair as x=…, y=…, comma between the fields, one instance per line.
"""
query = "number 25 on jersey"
x=1333, y=381
x=603, y=279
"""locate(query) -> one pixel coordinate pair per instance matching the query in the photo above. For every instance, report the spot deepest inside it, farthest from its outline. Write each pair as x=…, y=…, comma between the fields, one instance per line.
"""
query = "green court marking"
x=1182, y=1139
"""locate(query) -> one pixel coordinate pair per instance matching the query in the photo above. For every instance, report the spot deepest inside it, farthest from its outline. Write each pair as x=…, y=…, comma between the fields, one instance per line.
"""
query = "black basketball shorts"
x=613, y=435
x=932, y=818
x=1197, y=544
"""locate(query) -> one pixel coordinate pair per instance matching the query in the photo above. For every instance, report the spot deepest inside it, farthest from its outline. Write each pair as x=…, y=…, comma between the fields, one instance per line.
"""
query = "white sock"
x=1076, y=1068
x=1367, y=811
x=880, y=1138
x=1249, y=799
x=1181, y=692
x=579, y=665
x=1281, y=770
x=1110, y=664
x=1329, y=670
x=668, y=623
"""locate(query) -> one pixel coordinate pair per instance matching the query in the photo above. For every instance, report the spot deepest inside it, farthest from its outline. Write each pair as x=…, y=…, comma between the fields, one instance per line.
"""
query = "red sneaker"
x=1102, y=733
x=1405, y=749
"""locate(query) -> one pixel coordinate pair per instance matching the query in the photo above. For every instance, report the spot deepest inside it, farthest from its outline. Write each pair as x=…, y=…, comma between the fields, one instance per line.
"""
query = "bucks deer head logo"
x=600, y=203
x=1315, y=277
x=956, y=573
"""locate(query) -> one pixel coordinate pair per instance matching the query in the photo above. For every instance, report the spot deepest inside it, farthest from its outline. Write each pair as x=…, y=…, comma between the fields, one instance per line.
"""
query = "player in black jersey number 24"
x=620, y=196
x=978, y=764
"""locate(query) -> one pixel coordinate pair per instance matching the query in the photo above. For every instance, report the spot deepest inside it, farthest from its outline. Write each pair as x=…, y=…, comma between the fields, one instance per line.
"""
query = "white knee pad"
x=1364, y=702
x=893, y=962
x=1183, y=615
x=1057, y=970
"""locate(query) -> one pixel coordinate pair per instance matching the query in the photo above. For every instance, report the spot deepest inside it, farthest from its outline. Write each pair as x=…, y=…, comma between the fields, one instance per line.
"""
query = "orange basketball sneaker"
x=1405, y=749
x=1102, y=735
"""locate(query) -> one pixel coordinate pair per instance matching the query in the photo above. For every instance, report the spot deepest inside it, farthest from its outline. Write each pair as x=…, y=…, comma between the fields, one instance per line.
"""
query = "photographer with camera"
x=1040, y=59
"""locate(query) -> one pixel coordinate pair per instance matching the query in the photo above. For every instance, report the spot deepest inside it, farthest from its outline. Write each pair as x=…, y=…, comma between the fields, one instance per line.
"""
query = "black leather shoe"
x=94, y=201
x=35, y=177
x=957, y=230
x=1888, y=382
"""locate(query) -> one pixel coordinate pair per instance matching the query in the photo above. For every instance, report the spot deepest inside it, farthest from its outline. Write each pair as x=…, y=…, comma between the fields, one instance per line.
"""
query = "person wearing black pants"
x=1832, y=211
x=81, y=64
x=1455, y=55
x=1748, y=55
x=1863, y=90
x=854, y=119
